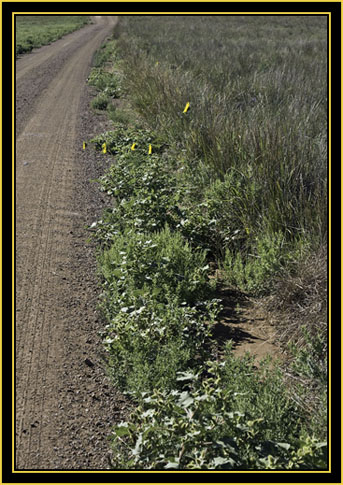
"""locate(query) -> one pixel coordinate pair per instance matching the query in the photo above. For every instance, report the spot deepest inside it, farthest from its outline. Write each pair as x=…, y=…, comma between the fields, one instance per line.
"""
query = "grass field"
x=37, y=30
x=257, y=89
x=219, y=181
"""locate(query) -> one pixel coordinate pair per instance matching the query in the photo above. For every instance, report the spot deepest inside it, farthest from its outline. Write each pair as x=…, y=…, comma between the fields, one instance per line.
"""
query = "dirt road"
x=65, y=405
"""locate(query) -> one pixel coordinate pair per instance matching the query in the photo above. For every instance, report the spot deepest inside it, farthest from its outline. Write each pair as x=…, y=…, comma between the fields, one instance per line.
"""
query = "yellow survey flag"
x=103, y=146
x=150, y=149
x=133, y=147
x=84, y=145
x=186, y=108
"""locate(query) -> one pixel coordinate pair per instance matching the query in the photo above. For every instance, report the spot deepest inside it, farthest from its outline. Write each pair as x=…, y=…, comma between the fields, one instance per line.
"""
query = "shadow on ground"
x=244, y=322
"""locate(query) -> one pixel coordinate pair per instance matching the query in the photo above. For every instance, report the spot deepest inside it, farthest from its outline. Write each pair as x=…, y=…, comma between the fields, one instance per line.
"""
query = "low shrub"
x=100, y=102
x=237, y=418
x=161, y=264
x=148, y=345
x=104, y=81
x=155, y=300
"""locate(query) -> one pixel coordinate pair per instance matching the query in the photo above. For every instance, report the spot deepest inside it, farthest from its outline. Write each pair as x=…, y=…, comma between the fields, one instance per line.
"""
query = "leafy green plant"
x=104, y=81
x=213, y=423
x=107, y=53
x=149, y=344
x=100, y=102
x=154, y=302
x=161, y=262
x=220, y=218
x=310, y=360
x=121, y=139
x=271, y=255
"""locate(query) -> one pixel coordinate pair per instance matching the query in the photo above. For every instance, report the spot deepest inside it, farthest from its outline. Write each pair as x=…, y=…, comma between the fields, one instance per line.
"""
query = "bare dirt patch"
x=248, y=324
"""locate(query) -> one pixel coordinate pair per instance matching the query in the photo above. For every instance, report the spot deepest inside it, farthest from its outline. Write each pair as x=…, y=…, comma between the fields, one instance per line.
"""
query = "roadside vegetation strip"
x=202, y=200
x=37, y=30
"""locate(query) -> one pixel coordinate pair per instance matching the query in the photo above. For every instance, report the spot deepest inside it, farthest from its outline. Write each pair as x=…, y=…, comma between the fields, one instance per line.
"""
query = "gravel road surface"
x=65, y=404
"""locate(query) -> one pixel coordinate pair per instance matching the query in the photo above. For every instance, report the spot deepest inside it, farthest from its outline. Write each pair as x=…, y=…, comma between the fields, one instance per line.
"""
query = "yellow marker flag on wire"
x=84, y=144
x=104, y=148
x=186, y=108
x=150, y=150
x=133, y=147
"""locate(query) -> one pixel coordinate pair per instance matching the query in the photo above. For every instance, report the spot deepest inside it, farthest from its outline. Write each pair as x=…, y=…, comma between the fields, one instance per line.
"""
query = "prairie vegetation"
x=230, y=193
x=37, y=30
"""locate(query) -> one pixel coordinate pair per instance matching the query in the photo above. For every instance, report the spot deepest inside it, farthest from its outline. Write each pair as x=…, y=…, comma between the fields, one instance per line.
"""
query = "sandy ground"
x=65, y=405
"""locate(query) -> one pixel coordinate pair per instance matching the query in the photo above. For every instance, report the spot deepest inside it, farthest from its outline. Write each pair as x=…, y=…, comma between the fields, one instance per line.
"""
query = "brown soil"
x=65, y=404
x=250, y=327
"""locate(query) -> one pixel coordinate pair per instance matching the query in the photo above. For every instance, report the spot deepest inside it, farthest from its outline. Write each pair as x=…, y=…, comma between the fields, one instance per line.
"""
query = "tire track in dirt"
x=49, y=341
x=38, y=68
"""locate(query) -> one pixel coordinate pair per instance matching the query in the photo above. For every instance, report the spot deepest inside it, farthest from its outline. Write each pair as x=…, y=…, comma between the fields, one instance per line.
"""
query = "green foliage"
x=107, y=53
x=145, y=189
x=100, y=101
x=149, y=344
x=105, y=77
x=119, y=116
x=309, y=370
x=108, y=83
x=37, y=30
x=271, y=255
x=160, y=263
x=311, y=359
x=220, y=422
x=120, y=141
x=145, y=194
x=218, y=216
x=153, y=299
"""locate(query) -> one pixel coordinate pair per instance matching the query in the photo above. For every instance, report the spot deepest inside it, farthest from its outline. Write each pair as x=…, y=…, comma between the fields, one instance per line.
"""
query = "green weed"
x=105, y=82
x=237, y=418
x=153, y=299
x=100, y=102
x=270, y=256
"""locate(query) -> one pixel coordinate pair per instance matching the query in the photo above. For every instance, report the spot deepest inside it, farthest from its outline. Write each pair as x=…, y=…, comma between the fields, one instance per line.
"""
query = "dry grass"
x=300, y=300
x=299, y=311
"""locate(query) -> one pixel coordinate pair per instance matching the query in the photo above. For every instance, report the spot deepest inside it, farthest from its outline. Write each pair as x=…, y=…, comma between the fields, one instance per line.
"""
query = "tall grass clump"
x=300, y=305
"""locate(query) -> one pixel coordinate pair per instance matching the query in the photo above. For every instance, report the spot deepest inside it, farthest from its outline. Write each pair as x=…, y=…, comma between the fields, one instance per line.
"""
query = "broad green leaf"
x=122, y=429
x=171, y=464
x=186, y=376
x=286, y=446
x=138, y=447
x=223, y=461
x=185, y=400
